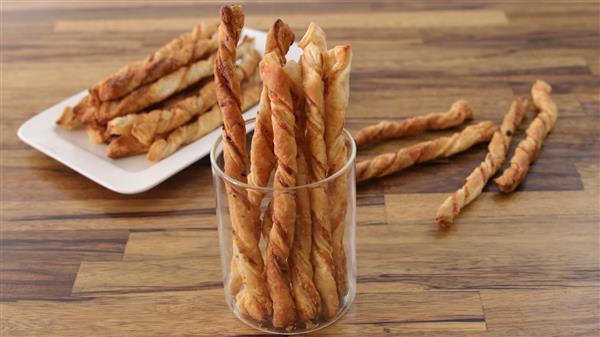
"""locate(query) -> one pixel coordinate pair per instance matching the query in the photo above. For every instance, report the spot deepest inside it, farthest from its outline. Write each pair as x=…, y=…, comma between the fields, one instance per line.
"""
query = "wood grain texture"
x=77, y=259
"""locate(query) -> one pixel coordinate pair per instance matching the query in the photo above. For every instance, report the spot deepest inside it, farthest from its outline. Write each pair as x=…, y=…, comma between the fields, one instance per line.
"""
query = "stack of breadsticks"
x=301, y=277
x=164, y=102
x=525, y=153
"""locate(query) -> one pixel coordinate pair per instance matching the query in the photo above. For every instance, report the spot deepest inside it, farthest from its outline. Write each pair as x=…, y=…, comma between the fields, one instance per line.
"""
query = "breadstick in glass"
x=337, y=73
x=253, y=299
x=284, y=203
x=314, y=45
x=306, y=295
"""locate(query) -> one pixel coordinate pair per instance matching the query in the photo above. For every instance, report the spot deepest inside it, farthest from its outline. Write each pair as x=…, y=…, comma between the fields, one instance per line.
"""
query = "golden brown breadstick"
x=529, y=148
x=205, y=123
x=314, y=46
x=253, y=299
x=124, y=146
x=281, y=235
x=177, y=53
x=459, y=112
x=145, y=126
x=443, y=147
x=262, y=159
x=306, y=296
x=476, y=181
x=337, y=74
x=155, y=92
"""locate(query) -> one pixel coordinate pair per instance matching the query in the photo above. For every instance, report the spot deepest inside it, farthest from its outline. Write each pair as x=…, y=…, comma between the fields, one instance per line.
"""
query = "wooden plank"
x=416, y=19
x=563, y=312
x=96, y=278
x=204, y=311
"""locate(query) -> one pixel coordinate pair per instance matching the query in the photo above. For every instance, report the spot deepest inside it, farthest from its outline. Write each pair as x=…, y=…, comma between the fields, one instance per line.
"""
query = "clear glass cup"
x=224, y=184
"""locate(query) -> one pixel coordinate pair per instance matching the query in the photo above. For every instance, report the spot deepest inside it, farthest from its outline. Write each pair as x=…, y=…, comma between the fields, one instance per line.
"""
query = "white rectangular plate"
x=125, y=175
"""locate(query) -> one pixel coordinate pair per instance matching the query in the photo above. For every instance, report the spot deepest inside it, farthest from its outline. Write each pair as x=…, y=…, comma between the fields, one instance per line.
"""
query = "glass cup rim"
x=219, y=172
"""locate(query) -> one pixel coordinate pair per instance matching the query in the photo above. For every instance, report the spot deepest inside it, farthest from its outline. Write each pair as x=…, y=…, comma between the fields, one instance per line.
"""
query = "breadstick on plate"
x=459, y=112
x=124, y=146
x=529, y=148
x=177, y=53
x=306, y=295
x=155, y=92
x=337, y=74
x=443, y=147
x=262, y=159
x=314, y=45
x=284, y=203
x=476, y=181
x=253, y=299
x=146, y=126
x=207, y=122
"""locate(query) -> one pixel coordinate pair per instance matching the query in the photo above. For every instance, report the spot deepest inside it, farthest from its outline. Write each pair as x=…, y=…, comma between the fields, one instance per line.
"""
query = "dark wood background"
x=78, y=259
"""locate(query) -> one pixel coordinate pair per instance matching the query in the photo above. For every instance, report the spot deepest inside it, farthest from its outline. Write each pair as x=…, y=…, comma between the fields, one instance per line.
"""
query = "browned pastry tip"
x=476, y=181
x=459, y=112
x=388, y=163
x=279, y=39
x=529, y=148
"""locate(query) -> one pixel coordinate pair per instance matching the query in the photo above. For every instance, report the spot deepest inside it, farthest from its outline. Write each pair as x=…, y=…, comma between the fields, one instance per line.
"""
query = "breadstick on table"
x=337, y=92
x=166, y=86
x=459, y=112
x=253, y=299
x=388, y=163
x=476, y=181
x=179, y=52
x=306, y=295
x=529, y=148
x=262, y=159
x=146, y=126
x=314, y=46
x=207, y=122
x=281, y=235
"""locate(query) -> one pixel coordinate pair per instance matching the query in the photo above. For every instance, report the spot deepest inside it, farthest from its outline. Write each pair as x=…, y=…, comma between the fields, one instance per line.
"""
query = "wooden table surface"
x=80, y=260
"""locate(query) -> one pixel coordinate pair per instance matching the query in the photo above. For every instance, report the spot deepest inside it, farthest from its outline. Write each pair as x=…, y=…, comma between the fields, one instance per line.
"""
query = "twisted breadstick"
x=155, y=92
x=253, y=299
x=262, y=160
x=529, y=148
x=475, y=182
x=443, y=147
x=284, y=203
x=306, y=296
x=205, y=123
x=96, y=134
x=313, y=44
x=337, y=74
x=147, y=126
x=458, y=113
x=177, y=53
